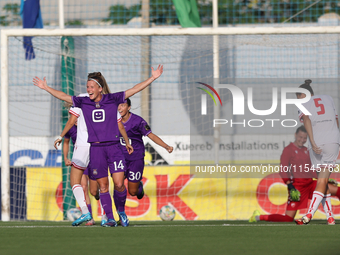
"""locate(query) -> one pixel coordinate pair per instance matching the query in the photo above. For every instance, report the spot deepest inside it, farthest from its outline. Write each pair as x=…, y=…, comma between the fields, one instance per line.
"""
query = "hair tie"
x=90, y=79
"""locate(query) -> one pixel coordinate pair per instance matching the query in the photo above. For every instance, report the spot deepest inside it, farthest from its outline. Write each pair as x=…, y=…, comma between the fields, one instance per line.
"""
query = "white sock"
x=78, y=193
x=102, y=212
x=316, y=200
x=327, y=206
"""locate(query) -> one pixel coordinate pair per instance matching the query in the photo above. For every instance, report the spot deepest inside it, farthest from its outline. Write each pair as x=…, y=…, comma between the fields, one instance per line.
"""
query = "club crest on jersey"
x=95, y=172
x=97, y=105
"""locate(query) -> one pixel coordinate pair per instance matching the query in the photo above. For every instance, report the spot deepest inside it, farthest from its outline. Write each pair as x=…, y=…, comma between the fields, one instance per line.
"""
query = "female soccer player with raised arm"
x=136, y=127
x=324, y=138
x=80, y=158
x=100, y=113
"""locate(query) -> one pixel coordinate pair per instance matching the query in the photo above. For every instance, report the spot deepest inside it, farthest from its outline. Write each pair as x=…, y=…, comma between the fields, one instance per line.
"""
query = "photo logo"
x=204, y=97
x=239, y=103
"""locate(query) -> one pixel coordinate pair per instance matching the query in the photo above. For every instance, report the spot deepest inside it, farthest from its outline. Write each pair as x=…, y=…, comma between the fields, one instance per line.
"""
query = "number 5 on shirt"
x=317, y=104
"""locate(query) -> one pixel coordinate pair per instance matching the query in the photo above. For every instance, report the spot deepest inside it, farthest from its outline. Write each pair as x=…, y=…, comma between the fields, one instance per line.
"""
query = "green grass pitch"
x=178, y=237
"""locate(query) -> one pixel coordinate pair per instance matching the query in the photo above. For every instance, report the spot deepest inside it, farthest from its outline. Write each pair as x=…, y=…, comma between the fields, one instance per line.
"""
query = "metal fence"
x=162, y=12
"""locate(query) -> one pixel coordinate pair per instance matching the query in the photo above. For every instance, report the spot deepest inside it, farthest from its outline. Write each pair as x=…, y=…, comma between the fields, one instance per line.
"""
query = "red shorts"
x=306, y=193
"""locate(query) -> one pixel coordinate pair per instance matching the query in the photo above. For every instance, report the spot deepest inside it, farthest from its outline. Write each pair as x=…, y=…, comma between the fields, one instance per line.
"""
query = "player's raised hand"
x=57, y=142
x=169, y=148
x=40, y=83
x=129, y=148
x=158, y=72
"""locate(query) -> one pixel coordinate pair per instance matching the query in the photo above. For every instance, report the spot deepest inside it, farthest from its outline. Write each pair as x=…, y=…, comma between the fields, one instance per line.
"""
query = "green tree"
x=76, y=22
x=12, y=15
x=230, y=11
x=120, y=14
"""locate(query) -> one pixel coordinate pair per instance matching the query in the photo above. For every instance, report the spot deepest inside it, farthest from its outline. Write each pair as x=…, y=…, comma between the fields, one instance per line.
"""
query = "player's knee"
x=94, y=192
x=133, y=192
x=103, y=188
x=119, y=186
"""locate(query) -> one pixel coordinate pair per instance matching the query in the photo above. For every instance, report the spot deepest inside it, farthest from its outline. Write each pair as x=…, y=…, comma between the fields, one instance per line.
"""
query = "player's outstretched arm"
x=56, y=93
x=65, y=152
x=69, y=124
x=160, y=142
x=308, y=125
x=126, y=138
x=140, y=86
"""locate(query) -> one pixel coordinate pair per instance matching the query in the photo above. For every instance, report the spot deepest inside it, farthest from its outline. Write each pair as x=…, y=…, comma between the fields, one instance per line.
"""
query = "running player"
x=99, y=111
x=300, y=184
x=136, y=127
x=323, y=131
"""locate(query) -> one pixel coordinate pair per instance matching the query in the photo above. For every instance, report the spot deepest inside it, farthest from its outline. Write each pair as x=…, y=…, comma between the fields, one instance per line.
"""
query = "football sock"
x=102, y=212
x=316, y=200
x=327, y=206
x=140, y=189
x=106, y=201
x=78, y=193
x=275, y=218
x=89, y=207
x=120, y=199
x=338, y=193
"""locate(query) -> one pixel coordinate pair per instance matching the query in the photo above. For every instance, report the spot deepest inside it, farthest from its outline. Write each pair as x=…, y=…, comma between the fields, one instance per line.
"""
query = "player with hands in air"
x=100, y=113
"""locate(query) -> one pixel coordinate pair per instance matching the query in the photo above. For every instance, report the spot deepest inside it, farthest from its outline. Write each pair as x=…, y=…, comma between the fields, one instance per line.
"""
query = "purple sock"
x=106, y=201
x=90, y=208
x=120, y=199
x=140, y=189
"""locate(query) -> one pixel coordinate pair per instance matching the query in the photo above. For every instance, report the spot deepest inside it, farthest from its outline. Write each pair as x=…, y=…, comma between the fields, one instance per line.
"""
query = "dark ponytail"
x=307, y=86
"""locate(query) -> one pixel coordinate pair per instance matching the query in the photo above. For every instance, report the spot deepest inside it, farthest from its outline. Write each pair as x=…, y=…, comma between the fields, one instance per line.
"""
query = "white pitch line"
x=162, y=226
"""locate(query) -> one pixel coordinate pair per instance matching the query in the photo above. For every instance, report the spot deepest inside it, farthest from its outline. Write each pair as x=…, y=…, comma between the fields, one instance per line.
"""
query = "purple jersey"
x=101, y=117
x=72, y=133
x=136, y=127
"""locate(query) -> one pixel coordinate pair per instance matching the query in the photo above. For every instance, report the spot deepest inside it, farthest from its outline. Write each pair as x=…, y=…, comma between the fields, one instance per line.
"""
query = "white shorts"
x=327, y=158
x=81, y=157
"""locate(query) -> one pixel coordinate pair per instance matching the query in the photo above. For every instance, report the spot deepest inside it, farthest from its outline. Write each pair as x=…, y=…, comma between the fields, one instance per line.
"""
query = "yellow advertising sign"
x=193, y=198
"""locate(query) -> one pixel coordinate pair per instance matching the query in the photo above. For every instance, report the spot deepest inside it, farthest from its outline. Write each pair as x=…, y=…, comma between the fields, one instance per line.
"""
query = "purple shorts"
x=86, y=171
x=104, y=156
x=134, y=170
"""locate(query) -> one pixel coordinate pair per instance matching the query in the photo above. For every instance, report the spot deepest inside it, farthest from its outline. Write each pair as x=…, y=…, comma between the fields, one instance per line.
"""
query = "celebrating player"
x=100, y=113
x=136, y=127
x=80, y=159
x=300, y=184
x=323, y=131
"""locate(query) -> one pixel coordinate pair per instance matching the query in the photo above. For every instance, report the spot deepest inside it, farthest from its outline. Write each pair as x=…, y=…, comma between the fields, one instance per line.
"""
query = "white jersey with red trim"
x=82, y=134
x=323, y=118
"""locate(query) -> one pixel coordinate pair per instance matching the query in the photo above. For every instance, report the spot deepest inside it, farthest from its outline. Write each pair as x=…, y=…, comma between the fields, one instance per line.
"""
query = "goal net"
x=36, y=186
